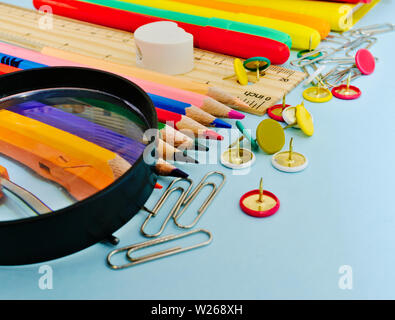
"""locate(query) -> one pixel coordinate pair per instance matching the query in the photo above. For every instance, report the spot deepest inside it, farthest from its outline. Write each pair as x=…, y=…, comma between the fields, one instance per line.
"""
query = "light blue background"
x=339, y=211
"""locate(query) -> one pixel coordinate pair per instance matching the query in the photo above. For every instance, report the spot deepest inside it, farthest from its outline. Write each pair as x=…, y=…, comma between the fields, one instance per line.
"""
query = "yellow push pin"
x=318, y=94
x=289, y=161
x=237, y=158
x=240, y=72
x=270, y=136
x=304, y=120
x=299, y=117
x=259, y=203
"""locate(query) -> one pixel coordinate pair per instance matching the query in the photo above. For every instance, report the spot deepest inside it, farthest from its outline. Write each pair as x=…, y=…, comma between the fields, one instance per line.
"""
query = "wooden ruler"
x=22, y=27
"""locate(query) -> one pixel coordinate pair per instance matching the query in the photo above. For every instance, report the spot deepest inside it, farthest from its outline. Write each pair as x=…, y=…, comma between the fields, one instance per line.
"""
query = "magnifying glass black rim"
x=21, y=241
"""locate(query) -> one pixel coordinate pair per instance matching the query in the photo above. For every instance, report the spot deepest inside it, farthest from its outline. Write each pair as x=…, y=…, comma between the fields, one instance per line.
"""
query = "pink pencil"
x=205, y=103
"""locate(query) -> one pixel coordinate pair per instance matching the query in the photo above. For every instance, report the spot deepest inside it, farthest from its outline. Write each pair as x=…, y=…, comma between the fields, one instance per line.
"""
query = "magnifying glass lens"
x=63, y=145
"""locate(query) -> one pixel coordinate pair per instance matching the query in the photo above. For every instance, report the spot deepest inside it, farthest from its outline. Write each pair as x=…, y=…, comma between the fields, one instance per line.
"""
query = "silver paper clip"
x=157, y=255
x=152, y=213
x=193, y=195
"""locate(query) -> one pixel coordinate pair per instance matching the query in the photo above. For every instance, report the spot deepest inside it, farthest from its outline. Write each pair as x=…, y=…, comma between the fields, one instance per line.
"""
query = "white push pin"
x=237, y=158
x=289, y=161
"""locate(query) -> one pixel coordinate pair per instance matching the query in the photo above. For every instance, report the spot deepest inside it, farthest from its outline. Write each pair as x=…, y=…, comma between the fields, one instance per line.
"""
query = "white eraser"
x=164, y=47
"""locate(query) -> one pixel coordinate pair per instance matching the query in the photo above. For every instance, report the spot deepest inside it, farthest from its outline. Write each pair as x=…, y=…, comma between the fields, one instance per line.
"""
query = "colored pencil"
x=159, y=101
x=19, y=63
x=168, y=152
x=149, y=75
x=207, y=104
x=127, y=148
x=179, y=139
x=189, y=110
x=229, y=42
x=180, y=122
x=163, y=168
x=4, y=69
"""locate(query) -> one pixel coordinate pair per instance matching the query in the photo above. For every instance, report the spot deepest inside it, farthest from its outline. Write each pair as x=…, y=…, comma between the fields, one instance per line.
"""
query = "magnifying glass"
x=74, y=140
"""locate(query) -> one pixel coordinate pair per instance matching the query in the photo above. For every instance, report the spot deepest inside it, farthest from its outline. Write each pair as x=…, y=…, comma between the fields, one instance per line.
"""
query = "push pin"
x=299, y=117
x=270, y=136
x=346, y=92
x=304, y=120
x=314, y=56
x=289, y=161
x=276, y=112
x=240, y=72
x=318, y=93
x=237, y=158
x=259, y=203
x=235, y=143
x=289, y=116
x=257, y=64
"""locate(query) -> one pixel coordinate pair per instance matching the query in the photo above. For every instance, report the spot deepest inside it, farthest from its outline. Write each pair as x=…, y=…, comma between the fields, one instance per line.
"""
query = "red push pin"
x=259, y=203
x=346, y=92
x=365, y=61
x=275, y=112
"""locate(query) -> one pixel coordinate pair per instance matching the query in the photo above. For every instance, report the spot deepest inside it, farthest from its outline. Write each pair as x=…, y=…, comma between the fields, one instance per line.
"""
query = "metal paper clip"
x=308, y=57
x=193, y=195
x=152, y=213
x=340, y=38
x=370, y=41
x=372, y=29
x=157, y=255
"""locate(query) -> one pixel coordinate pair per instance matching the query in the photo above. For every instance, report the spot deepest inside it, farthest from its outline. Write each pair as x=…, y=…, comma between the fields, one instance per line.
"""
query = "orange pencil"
x=321, y=25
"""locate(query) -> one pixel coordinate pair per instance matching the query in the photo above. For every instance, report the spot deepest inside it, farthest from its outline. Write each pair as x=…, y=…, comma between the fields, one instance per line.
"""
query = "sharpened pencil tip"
x=178, y=173
x=218, y=123
x=158, y=186
x=183, y=157
x=200, y=147
x=210, y=134
x=233, y=114
x=240, y=103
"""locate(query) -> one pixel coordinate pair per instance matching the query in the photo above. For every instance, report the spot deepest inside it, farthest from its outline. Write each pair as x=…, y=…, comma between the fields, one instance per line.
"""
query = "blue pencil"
x=188, y=110
x=19, y=63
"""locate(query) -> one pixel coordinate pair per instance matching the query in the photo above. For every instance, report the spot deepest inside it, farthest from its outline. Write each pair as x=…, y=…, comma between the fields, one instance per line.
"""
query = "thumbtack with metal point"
x=237, y=158
x=346, y=91
x=257, y=64
x=240, y=72
x=289, y=161
x=259, y=203
x=275, y=112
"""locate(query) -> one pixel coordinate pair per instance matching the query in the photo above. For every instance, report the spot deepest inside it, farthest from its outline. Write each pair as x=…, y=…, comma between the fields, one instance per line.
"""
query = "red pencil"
x=181, y=122
x=7, y=69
